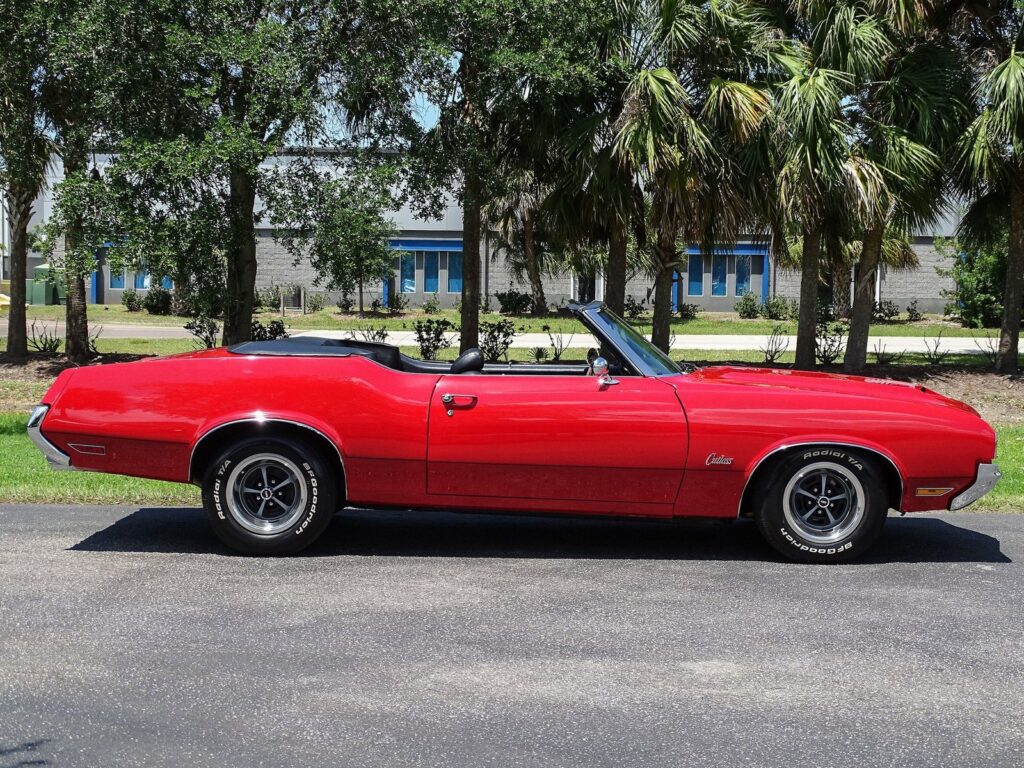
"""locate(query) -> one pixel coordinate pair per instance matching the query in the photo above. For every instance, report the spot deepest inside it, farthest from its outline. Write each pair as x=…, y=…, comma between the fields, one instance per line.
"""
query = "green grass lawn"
x=712, y=323
x=26, y=477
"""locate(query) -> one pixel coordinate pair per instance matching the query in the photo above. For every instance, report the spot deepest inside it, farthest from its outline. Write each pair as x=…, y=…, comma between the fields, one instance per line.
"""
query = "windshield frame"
x=641, y=355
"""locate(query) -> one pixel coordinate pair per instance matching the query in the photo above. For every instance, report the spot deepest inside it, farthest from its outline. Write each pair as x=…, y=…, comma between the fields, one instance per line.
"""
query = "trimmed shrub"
x=496, y=339
x=157, y=301
x=748, y=307
x=513, y=302
x=131, y=300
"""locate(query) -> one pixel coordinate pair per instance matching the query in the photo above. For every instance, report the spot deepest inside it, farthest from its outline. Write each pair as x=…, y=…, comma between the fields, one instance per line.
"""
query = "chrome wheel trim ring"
x=832, y=511
x=266, y=493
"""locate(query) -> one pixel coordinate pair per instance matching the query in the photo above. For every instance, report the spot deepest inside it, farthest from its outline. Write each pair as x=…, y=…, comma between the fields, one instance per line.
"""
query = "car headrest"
x=470, y=361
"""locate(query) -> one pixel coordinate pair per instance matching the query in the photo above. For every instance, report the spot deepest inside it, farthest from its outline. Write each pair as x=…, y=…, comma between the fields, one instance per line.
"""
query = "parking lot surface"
x=131, y=637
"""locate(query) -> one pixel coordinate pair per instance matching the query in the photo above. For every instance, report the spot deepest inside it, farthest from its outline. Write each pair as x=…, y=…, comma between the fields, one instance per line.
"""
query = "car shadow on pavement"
x=388, y=533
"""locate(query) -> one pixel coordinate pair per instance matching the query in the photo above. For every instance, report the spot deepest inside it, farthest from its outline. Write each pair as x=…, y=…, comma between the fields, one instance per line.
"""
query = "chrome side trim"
x=786, y=447
x=253, y=420
x=55, y=457
x=984, y=481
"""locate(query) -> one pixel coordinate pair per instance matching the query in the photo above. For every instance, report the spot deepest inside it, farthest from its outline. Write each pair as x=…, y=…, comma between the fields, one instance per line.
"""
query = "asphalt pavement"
x=130, y=637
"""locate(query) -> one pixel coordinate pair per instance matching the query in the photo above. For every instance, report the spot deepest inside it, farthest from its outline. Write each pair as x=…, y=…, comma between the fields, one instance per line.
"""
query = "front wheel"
x=269, y=496
x=823, y=505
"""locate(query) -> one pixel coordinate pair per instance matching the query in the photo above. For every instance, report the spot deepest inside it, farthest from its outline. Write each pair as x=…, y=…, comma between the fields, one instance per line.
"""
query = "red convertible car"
x=282, y=434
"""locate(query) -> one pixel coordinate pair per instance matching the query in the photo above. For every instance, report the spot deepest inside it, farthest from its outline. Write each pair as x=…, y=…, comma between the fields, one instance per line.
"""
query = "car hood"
x=825, y=383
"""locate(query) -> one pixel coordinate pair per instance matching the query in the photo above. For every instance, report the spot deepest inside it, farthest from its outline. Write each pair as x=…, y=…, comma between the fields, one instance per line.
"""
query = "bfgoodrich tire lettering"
x=269, y=496
x=823, y=504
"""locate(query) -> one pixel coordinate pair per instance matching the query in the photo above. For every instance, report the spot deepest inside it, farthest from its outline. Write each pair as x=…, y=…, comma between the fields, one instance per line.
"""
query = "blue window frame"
x=719, y=274
x=141, y=281
x=408, y=267
x=430, y=259
x=742, y=275
x=454, y=273
x=117, y=281
x=695, y=275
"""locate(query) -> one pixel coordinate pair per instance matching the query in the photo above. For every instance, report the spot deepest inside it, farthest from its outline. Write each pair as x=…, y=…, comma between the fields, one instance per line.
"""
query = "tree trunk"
x=863, y=299
x=470, y=331
x=540, y=305
x=1007, y=359
x=19, y=203
x=615, y=276
x=241, y=259
x=806, y=327
x=661, y=328
x=76, y=322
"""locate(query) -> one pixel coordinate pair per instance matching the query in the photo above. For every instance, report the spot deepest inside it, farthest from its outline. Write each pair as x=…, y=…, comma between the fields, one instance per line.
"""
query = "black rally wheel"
x=269, y=496
x=823, y=504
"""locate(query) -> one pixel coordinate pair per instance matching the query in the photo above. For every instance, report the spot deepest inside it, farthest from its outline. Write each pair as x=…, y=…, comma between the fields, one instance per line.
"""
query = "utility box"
x=41, y=289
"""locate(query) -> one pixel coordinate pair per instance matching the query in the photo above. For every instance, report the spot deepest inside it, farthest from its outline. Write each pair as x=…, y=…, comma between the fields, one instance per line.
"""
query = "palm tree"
x=691, y=102
x=516, y=211
x=989, y=157
x=908, y=117
x=826, y=187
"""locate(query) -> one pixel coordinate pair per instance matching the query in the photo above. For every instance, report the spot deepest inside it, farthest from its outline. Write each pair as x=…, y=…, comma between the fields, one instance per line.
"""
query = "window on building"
x=695, y=275
x=430, y=259
x=454, y=273
x=719, y=274
x=117, y=280
x=408, y=267
x=742, y=275
x=142, y=281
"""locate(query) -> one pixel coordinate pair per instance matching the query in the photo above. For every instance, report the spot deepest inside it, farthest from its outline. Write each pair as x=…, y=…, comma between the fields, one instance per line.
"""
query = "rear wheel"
x=823, y=504
x=269, y=496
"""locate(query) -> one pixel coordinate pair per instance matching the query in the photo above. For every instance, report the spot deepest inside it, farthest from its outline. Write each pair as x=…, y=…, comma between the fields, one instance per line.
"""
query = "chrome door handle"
x=449, y=398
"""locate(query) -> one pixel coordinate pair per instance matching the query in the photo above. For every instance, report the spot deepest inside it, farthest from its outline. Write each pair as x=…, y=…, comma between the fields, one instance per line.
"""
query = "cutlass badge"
x=714, y=459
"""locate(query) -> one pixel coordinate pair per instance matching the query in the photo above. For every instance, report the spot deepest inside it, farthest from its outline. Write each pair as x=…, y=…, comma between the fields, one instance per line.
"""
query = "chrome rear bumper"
x=985, y=480
x=55, y=457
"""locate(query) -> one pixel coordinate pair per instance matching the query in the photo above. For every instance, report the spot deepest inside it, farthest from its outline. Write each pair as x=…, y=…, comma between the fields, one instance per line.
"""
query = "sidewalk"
x=955, y=345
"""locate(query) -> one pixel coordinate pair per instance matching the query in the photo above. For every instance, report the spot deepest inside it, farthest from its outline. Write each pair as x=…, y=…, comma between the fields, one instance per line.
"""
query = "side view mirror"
x=601, y=372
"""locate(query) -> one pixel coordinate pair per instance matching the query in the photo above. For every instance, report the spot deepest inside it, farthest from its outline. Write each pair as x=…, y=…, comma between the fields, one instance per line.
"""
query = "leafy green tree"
x=24, y=147
x=335, y=218
x=988, y=162
x=484, y=60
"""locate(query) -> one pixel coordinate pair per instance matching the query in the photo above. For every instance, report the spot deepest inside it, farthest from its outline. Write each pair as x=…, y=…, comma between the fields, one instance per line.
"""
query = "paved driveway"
x=129, y=637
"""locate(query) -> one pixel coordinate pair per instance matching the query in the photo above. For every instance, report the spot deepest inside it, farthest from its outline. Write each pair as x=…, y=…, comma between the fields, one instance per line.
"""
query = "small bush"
x=269, y=297
x=397, y=302
x=830, y=341
x=689, y=311
x=377, y=305
x=273, y=330
x=346, y=303
x=979, y=275
x=633, y=309
x=44, y=340
x=204, y=330
x=496, y=339
x=432, y=336
x=914, y=315
x=375, y=333
x=776, y=345
x=131, y=300
x=315, y=302
x=513, y=302
x=884, y=312
x=748, y=307
x=775, y=308
x=432, y=305
x=157, y=301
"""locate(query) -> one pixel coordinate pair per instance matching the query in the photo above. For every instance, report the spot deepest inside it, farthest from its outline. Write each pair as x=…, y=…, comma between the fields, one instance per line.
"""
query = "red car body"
x=682, y=444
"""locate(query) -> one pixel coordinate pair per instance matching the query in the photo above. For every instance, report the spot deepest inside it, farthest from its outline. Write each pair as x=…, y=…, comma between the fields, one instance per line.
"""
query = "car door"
x=565, y=438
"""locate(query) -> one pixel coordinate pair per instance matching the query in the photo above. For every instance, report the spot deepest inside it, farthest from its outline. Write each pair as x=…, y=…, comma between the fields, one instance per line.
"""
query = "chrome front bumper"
x=55, y=457
x=985, y=480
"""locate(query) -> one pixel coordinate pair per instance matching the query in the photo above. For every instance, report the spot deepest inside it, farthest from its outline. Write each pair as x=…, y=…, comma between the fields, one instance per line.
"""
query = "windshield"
x=624, y=337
